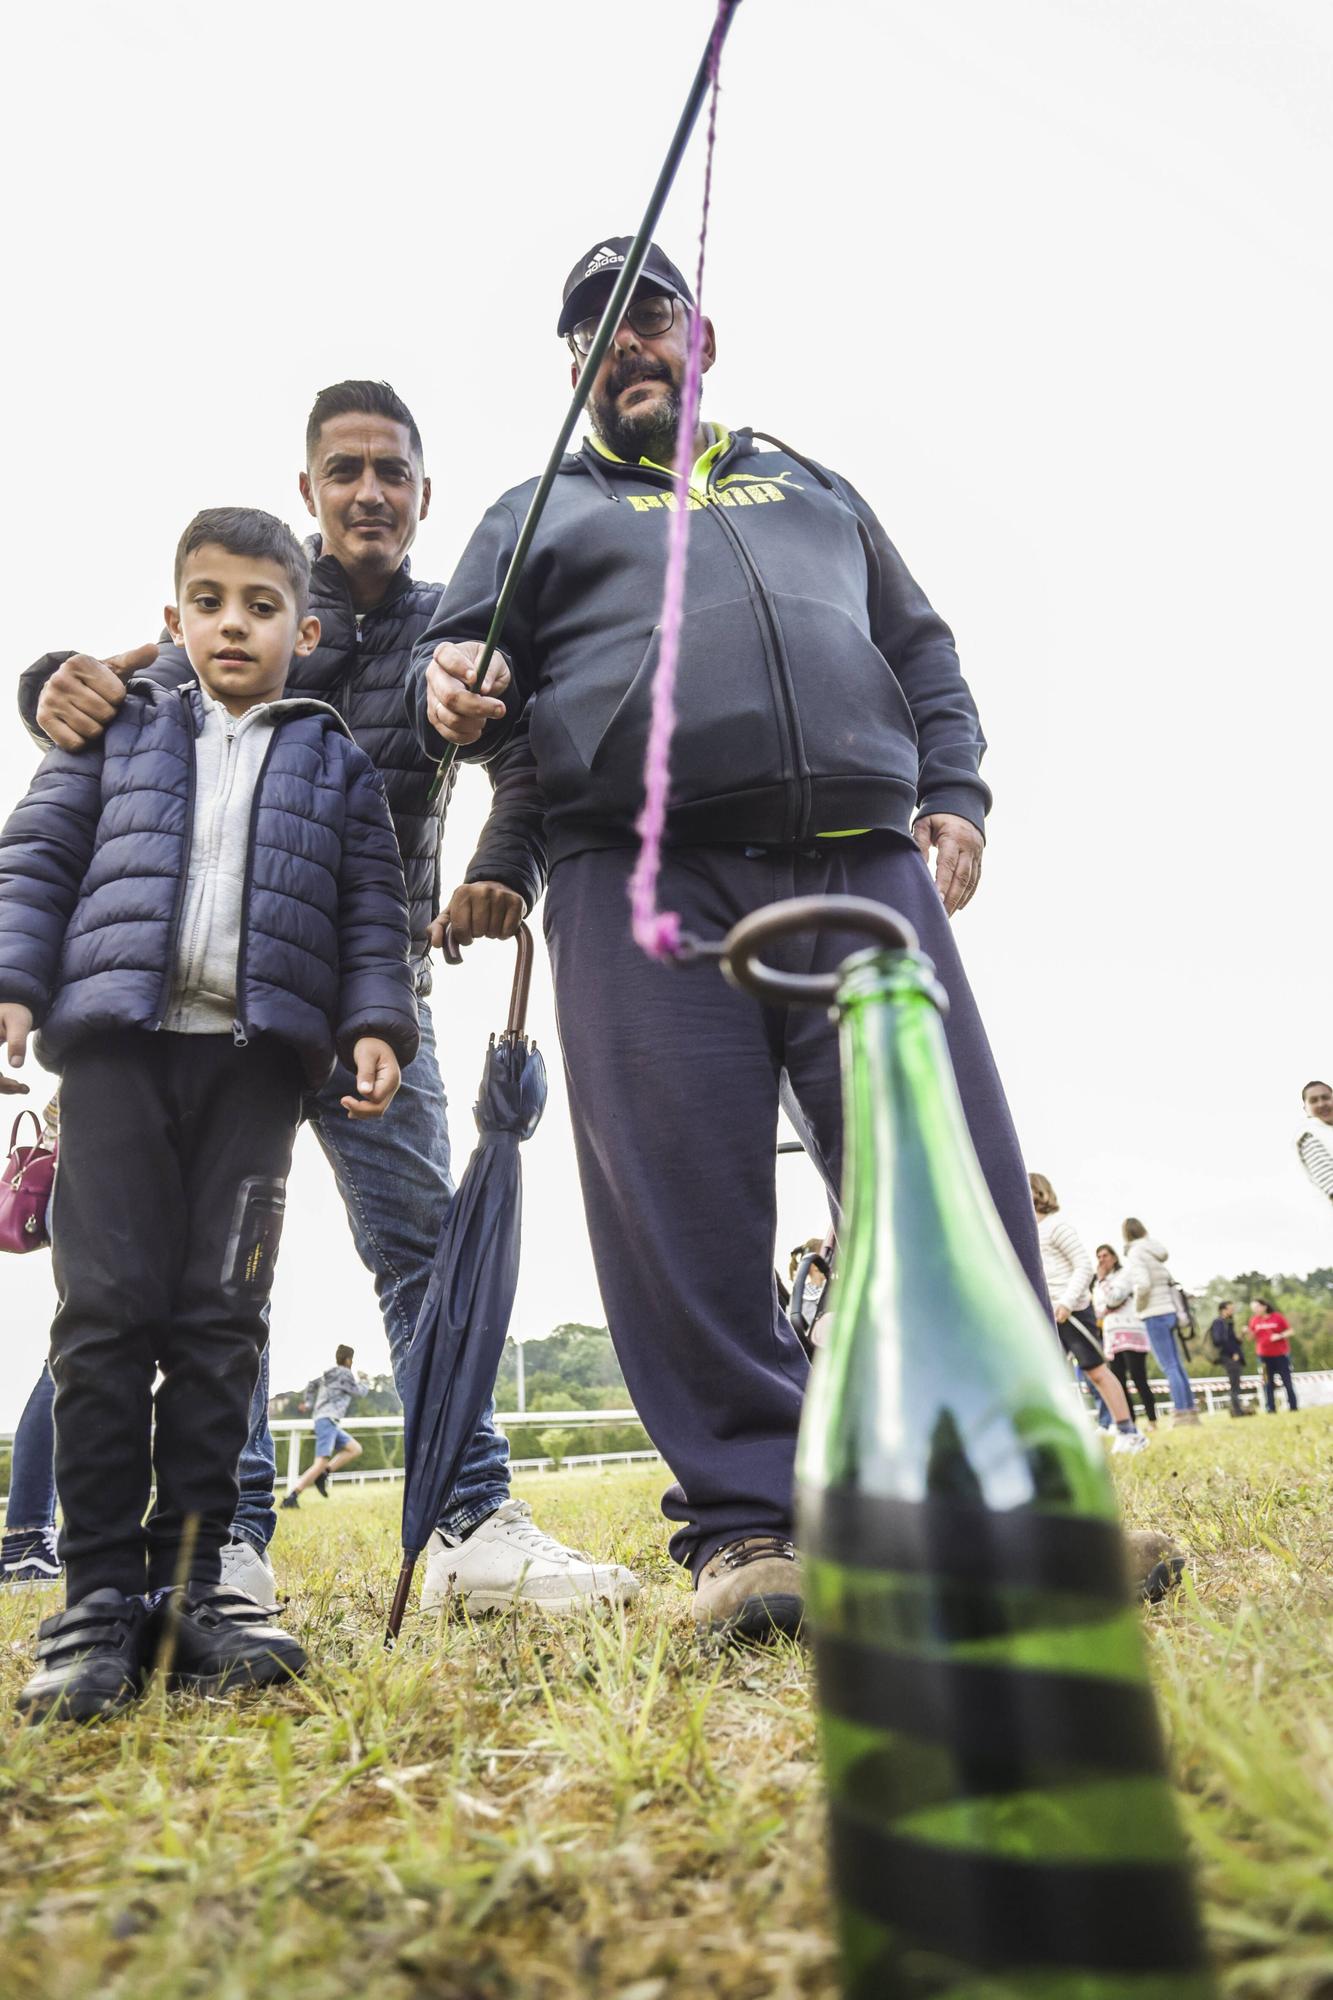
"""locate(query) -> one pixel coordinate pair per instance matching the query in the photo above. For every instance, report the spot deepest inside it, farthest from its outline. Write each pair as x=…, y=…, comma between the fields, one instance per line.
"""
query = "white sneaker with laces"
x=244, y=1568
x=1129, y=1441
x=509, y=1560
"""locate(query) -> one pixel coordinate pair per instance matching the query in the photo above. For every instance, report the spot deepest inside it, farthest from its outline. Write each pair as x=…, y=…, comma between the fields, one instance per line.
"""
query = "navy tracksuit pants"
x=674, y=1083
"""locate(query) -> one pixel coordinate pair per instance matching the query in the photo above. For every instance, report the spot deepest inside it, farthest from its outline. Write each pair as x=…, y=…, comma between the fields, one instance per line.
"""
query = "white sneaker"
x=508, y=1560
x=1129, y=1441
x=245, y=1568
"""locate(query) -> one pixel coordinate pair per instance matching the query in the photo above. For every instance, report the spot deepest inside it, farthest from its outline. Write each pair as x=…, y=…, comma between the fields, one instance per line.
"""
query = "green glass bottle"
x=1002, y=1824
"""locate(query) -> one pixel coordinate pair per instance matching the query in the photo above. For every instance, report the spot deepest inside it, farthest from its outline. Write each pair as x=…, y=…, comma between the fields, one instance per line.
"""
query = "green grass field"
x=588, y=1808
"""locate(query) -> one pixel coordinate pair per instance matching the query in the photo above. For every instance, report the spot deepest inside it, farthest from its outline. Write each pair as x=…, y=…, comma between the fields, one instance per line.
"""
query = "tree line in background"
x=1307, y=1302
x=575, y=1368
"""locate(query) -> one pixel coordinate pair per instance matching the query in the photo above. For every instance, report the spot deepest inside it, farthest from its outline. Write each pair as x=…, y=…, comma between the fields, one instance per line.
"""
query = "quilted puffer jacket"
x=93, y=867
x=361, y=672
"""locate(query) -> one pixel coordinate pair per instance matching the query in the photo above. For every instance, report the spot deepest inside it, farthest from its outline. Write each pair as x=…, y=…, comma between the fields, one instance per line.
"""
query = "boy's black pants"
x=174, y=1153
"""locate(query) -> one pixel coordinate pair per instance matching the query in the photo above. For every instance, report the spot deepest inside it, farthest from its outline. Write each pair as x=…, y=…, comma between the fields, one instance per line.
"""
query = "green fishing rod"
x=610, y=320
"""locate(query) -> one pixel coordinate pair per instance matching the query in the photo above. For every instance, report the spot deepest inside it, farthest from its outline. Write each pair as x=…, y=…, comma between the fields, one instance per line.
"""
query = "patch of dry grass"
x=592, y=1807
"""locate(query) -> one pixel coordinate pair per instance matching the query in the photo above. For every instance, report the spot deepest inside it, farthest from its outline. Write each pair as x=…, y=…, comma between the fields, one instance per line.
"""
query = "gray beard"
x=652, y=435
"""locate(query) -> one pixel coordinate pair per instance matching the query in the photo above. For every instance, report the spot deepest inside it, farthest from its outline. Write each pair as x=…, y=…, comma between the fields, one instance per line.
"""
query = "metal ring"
x=741, y=965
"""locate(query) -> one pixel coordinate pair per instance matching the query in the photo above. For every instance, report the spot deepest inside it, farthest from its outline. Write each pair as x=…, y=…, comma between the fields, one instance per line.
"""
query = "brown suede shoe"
x=751, y=1590
x=1155, y=1564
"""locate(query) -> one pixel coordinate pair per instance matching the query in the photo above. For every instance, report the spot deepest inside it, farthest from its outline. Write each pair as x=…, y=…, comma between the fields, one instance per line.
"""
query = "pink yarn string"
x=656, y=931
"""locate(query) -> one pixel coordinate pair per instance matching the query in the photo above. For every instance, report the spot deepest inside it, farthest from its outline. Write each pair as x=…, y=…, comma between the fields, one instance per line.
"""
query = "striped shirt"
x=1315, y=1147
x=1066, y=1263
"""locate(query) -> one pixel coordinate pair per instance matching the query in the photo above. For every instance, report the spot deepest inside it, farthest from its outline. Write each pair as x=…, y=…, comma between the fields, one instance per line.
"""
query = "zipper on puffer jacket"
x=240, y=1030
x=178, y=908
x=226, y=779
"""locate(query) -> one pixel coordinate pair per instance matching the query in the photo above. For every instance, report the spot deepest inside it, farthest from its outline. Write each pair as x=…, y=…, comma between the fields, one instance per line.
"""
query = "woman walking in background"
x=1273, y=1347
x=1145, y=1265
x=1124, y=1335
x=1068, y=1270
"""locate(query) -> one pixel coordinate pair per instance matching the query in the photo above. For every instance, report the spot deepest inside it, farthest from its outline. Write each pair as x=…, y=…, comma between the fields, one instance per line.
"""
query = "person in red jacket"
x=1271, y=1344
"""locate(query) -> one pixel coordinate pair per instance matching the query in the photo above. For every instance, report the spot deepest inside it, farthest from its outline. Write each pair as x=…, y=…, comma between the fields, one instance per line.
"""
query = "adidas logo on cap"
x=603, y=257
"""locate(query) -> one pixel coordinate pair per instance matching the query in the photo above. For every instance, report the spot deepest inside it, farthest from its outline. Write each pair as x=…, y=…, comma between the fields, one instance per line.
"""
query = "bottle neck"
x=913, y=1186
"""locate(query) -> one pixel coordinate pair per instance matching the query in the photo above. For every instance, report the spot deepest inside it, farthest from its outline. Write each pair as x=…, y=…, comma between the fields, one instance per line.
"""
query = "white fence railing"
x=1314, y=1386
x=294, y=1429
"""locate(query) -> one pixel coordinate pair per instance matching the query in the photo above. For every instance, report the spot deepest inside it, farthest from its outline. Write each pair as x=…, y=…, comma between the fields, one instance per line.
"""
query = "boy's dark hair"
x=343, y=1356
x=370, y=399
x=248, y=531
x=1315, y=1083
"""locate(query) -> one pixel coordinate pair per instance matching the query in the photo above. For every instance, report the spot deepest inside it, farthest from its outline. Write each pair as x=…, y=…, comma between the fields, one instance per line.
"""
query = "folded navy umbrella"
x=455, y=1349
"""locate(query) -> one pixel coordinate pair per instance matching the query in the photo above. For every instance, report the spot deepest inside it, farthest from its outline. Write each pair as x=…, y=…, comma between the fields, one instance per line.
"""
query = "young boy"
x=329, y=1394
x=197, y=912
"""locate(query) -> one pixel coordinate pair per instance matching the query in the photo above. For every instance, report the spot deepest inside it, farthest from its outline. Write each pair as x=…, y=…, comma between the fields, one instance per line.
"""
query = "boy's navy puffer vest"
x=92, y=875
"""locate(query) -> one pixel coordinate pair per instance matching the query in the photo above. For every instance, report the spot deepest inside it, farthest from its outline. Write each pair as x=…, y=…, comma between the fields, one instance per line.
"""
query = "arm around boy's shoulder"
x=165, y=665
x=376, y=996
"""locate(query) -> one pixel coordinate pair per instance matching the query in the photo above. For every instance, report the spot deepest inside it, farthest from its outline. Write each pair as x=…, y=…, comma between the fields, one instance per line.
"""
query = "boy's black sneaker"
x=28, y=1555
x=292, y=1500
x=211, y=1637
x=90, y=1659
x=322, y=1484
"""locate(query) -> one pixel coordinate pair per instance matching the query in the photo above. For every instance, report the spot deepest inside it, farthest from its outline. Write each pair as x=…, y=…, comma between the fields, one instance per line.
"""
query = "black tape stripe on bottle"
x=1074, y=1719
x=1022, y=1548
x=990, y=1910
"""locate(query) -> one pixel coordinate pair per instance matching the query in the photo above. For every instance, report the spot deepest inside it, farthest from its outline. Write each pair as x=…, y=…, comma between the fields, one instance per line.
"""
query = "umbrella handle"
x=518, y=995
x=452, y=953
x=401, y=1595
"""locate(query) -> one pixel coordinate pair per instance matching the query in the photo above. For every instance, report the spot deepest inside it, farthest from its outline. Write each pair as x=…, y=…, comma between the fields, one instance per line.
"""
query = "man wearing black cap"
x=826, y=743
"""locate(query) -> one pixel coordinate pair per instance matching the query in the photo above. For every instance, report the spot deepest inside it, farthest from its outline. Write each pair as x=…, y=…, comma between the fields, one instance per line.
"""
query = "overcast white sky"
x=1050, y=282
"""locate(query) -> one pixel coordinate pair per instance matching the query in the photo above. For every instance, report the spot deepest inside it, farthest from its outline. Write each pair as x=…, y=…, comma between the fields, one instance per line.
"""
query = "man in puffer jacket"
x=366, y=485
x=1146, y=1267
x=200, y=914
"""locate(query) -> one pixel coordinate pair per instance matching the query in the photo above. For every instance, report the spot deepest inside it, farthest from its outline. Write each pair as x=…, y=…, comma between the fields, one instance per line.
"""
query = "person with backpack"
x=1226, y=1345
x=1155, y=1299
x=1271, y=1330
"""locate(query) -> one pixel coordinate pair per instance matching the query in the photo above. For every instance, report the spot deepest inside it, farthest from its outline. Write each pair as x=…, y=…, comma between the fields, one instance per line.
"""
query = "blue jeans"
x=393, y=1176
x=32, y=1474
x=1162, y=1339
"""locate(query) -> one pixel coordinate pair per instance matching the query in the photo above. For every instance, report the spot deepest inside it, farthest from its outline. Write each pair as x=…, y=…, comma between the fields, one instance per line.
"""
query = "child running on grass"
x=197, y=912
x=329, y=1394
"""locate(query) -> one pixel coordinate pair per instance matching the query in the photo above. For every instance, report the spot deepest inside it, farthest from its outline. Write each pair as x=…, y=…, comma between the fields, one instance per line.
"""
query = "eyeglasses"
x=649, y=317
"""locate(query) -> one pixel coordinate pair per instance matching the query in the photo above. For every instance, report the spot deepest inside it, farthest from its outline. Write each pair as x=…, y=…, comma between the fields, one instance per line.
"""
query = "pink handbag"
x=25, y=1190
